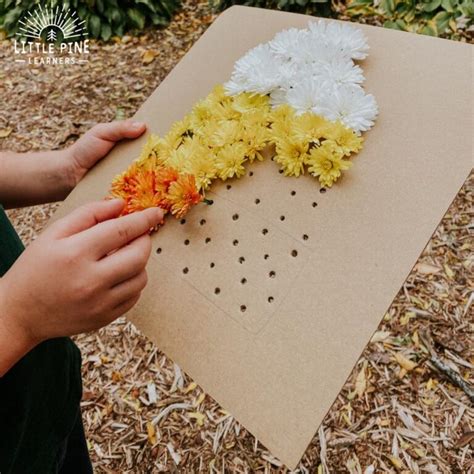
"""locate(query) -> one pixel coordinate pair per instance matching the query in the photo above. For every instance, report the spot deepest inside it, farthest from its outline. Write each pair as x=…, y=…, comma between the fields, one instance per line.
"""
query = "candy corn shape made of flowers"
x=300, y=95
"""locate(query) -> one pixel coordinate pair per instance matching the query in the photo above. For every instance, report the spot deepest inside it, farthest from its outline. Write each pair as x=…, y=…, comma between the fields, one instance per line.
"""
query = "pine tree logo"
x=51, y=25
x=51, y=37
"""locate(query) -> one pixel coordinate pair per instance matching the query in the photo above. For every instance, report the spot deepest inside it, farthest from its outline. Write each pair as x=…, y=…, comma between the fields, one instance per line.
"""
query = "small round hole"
x=212, y=264
x=182, y=221
x=241, y=259
x=266, y=256
x=282, y=218
x=235, y=217
x=243, y=281
x=158, y=250
x=217, y=291
x=243, y=308
x=235, y=243
x=264, y=231
x=251, y=173
x=209, y=202
x=208, y=239
x=272, y=274
x=257, y=201
x=202, y=221
x=185, y=270
x=271, y=299
x=305, y=236
x=280, y=171
x=294, y=253
x=293, y=193
x=322, y=190
x=315, y=204
x=229, y=186
x=186, y=242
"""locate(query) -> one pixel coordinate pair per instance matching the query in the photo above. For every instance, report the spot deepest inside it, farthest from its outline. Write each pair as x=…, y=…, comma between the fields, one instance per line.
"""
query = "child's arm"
x=81, y=273
x=35, y=178
x=86, y=269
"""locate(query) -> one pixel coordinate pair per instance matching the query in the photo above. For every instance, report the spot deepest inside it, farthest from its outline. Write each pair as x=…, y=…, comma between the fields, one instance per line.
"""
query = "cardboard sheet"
x=320, y=269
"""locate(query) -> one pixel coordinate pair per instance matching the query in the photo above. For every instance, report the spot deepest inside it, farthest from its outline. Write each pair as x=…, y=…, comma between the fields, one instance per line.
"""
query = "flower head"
x=350, y=105
x=348, y=141
x=326, y=163
x=230, y=161
x=182, y=195
x=291, y=155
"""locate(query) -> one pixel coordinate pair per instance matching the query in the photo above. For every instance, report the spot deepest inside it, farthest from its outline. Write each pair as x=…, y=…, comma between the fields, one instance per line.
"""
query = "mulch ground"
x=405, y=407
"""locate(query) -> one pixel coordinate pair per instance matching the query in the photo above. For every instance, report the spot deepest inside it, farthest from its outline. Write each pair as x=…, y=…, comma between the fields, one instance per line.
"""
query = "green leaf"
x=428, y=30
x=387, y=6
x=94, y=25
x=105, y=31
x=431, y=6
x=149, y=4
x=448, y=5
x=136, y=17
x=441, y=21
x=396, y=25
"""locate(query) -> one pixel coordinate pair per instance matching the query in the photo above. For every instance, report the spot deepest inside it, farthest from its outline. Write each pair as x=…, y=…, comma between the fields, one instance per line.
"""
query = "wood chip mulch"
x=408, y=404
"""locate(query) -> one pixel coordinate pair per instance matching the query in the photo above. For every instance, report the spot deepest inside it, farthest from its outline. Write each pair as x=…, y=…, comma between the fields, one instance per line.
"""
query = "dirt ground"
x=402, y=408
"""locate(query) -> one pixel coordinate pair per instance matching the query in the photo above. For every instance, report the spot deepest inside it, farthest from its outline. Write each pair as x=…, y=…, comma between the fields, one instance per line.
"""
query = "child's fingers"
x=86, y=216
x=114, y=234
x=115, y=131
x=123, y=307
x=129, y=288
x=126, y=262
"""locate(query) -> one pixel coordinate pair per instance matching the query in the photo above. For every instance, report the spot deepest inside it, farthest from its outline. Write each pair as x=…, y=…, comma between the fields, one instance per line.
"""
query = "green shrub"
x=429, y=17
x=316, y=7
x=104, y=18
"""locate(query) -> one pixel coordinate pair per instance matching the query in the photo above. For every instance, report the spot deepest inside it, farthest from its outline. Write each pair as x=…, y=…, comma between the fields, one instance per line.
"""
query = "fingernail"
x=137, y=125
x=157, y=213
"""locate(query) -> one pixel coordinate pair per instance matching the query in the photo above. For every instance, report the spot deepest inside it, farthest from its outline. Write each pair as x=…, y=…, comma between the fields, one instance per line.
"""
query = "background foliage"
x=451, y=18
x=429, y=17
x=105, y=18
x=314, y=7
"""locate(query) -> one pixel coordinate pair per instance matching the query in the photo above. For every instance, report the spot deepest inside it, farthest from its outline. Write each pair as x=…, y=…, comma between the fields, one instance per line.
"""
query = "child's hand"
x=84, y=271
x=97, y=142
x=46, y=176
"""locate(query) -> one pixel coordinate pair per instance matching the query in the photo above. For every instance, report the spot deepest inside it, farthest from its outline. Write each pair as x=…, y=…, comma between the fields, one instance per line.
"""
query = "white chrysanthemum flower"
x=287, y=43
x=278, y=97
x=305, y=95
x=350, y=105
x=312, y=70
x=349, y=40
x=257, y=71
x=340, y=72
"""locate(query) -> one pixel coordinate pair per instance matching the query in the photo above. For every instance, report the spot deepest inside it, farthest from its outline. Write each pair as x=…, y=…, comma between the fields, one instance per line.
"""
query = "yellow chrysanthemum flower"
x=326, y=163
x=181, y=155
x=291, y=155
x=230, y=161
x=256, y=139
x=309, y=127
x=227, y=132
x=344, y=137
x=148, y=150
x=282, y=122
x=245, y=103
x=202, y=165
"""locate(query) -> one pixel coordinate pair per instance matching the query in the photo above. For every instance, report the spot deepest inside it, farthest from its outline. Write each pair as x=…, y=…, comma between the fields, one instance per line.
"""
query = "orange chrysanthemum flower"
x=183, y=194
x=163, y=187
x=164, y=178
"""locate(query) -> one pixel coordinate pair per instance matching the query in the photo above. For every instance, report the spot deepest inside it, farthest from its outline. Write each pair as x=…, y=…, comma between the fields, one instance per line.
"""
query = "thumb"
x=115, y=131
x=86, y=216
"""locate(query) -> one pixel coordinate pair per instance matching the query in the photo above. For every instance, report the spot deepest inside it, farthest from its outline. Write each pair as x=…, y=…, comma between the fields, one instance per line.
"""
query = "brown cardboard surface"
x=279, y=365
